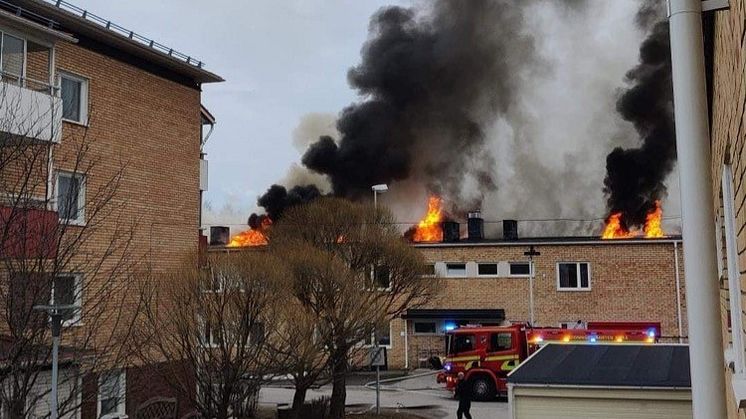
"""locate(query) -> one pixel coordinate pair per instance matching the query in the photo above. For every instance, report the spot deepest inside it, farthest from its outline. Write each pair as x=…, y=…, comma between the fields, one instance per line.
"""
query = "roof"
x=461, y=314
x=664, y=366
x=563, y=240
x=82, y=23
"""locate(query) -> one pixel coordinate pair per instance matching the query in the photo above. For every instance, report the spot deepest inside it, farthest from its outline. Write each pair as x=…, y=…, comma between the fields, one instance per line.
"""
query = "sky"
x=283, y=60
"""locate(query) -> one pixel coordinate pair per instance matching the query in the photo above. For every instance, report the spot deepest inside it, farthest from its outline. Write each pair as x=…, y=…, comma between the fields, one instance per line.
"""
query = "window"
x=66, y=291
x=573, y=276
x=733, y=268
x=380, y=335
x=12, y=59
x=501, y=342
x=74, y=93
x=425, y=328
x=111, y=393
x=211, y=335
x=487, y=269
x=71, y=198
x=456, y=270
x=520, y=269
x=462, y=343
x=381, y=277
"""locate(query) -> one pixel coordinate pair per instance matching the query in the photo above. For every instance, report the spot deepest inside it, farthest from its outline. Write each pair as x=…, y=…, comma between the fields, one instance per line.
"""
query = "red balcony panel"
x=27, y=233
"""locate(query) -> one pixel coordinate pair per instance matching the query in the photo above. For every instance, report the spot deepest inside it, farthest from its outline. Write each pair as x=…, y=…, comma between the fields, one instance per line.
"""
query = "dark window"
x=501, y=342
x=487, y=269
x=574, y=275
x=64, y=292
x=463, y=343
x=70, y=197
x=381, y=277
x=424, y=327
x=383, y=334
x=519, y=268
x=456, y=269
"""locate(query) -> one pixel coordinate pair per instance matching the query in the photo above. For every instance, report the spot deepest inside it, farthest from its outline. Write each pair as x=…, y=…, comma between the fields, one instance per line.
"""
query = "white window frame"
x=84, y=88
x=75, y=321
x=374, y=285
x=516, y=262
x=80, y=221
x=372, y=341
x=122, y=399
x=734, y=281
x=466, y=270
x=579, y=288
x=495, y=275
x=23, y=38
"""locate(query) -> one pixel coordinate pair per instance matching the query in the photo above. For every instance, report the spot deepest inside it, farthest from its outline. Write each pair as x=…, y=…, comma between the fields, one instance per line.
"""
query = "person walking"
x=463, y=394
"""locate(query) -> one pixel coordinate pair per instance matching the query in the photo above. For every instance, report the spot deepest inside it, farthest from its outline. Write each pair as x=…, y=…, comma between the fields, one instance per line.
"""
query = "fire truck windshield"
x=459, y=342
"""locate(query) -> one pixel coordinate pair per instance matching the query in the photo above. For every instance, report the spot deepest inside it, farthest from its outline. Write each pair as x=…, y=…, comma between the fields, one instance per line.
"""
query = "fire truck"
x=486, y=354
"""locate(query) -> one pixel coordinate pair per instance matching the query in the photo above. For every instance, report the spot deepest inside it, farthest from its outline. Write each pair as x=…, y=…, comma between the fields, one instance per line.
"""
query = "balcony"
x=30, y=109
x=28, y=233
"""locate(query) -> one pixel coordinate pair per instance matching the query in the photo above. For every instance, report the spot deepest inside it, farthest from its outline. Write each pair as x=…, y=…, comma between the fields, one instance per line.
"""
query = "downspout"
x=695, y=180
x=406, y=345
x=678, y=289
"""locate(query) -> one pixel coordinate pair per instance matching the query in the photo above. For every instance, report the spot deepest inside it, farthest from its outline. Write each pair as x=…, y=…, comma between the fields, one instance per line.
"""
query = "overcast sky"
x=283, y=59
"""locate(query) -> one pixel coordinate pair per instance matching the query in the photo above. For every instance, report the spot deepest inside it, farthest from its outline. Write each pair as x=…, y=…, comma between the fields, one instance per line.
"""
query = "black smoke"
x=278, y=198
x=635, y=177
x=429, y=82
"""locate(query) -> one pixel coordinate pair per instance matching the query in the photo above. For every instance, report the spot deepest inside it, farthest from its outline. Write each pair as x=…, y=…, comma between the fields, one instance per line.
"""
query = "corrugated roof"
x=607, y=365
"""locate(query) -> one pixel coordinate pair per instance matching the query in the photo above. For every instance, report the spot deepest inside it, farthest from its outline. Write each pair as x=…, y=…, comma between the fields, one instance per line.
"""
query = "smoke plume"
x=635, y=176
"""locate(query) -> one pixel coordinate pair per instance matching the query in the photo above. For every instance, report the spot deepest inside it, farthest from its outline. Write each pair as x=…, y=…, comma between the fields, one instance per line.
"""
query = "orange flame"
x=651, y=230
x=653, y=227
x=428, y=229
x=253, y=236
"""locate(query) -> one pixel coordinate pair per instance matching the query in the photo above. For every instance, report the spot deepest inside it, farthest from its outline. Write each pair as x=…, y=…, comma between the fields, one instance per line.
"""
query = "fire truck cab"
x=487, y=354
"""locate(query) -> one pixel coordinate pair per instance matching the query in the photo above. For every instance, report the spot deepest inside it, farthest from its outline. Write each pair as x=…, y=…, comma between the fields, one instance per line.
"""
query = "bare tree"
x=353, y=271
x=210, y=323
x=63, y=240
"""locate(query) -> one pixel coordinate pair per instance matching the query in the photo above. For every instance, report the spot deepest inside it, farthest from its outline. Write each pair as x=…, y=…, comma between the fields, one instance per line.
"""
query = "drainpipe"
x=406, y=345
x=700, y=260
x=678, y=289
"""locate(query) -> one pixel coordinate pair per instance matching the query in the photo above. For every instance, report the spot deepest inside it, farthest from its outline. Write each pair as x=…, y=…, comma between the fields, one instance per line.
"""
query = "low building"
x=602, y=381
x=575, y=280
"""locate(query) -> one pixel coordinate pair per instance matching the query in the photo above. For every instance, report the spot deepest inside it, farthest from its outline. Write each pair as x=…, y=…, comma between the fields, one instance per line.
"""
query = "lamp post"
x=56, y=312
x=380, y=188
x=531, y=253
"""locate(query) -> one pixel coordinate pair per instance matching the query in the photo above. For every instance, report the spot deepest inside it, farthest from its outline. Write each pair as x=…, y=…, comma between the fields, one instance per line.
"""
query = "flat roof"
x=568, y=240
x=622, y=365
x=458, y=314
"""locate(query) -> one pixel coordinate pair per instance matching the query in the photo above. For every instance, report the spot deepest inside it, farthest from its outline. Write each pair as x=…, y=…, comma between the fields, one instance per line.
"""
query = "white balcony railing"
x=30, y=108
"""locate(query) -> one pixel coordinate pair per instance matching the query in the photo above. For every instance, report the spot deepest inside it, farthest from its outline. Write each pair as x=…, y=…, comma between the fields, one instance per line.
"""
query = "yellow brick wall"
x=629, y=282
x=729, y=93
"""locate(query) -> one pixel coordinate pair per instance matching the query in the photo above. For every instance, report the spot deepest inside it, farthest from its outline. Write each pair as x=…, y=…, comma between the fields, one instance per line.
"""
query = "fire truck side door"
x=503, y=352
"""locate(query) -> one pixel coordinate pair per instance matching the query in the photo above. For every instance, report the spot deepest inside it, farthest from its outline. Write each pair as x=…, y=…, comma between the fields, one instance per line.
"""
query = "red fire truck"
x=487, y=354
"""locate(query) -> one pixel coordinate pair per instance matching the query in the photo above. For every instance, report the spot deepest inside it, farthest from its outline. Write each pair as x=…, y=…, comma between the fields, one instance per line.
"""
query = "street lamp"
x=380, y=188
x=56, y=312
x=531, y=253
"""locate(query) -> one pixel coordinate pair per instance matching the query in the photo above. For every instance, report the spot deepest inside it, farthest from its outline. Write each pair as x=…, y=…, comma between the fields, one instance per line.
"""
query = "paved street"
x=419, y=395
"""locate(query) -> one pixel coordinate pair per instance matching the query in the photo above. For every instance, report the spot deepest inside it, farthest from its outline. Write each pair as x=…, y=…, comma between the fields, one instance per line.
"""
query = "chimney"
x=510, y=229
x=219, y=235
x=451, y=231
x=475, y=226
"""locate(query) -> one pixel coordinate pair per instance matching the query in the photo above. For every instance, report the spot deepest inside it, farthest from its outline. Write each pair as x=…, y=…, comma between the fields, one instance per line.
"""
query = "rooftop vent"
x=219, y=235
x=451, y=231
x=510, y=229
x=475, y=226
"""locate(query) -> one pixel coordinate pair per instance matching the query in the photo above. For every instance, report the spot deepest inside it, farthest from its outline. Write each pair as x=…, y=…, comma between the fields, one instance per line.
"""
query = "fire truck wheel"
x=483, y=388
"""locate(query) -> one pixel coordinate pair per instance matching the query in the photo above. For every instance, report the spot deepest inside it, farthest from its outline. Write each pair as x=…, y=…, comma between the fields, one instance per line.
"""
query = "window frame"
x=24, y=65
x=434, y=322
x=371, y=343
x=122, y=398
x=78, y=297
x=733, y=270
x=530, y=268
x=466, y=270
x=374, y=279
x=80, y=221
x=495, y=275
x=84, y=91
x=579, y=288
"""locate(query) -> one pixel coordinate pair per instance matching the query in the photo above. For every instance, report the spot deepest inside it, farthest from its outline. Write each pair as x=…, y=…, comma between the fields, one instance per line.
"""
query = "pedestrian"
x=463, y=394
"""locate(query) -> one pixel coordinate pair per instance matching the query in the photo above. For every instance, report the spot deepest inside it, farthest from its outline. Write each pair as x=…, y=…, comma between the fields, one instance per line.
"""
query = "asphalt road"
x=418, y=395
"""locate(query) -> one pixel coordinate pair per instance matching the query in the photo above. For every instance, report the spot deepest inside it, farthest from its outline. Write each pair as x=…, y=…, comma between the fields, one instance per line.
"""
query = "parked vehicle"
x=487, y=354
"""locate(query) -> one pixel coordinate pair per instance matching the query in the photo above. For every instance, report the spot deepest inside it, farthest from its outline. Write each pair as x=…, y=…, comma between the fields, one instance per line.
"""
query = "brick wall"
x=728, y=131
x=633, y=281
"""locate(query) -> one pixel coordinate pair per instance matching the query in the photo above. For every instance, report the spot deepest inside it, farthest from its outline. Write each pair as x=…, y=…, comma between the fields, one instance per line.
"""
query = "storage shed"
x=602, y=381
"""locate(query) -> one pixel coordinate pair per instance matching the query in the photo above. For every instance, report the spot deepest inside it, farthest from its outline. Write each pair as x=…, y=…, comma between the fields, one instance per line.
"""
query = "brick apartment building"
x=576, y=279
x=136, y=104
x=726, y=60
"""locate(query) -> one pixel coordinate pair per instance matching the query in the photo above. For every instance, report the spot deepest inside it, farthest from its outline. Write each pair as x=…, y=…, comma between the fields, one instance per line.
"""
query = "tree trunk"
x=299, y=398
x=339, y=381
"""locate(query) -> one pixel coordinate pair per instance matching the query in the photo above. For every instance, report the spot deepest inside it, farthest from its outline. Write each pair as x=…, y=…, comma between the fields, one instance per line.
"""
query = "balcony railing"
x=30, y=108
